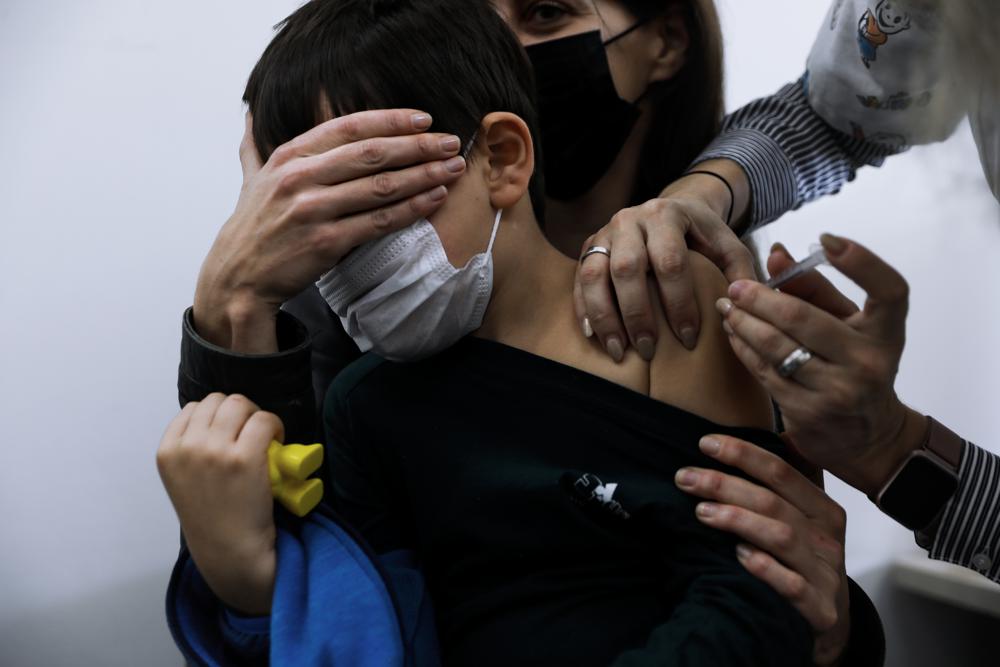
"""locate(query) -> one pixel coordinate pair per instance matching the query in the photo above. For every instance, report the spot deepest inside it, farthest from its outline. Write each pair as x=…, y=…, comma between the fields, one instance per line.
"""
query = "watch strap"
x=943, y=443
x=949, y=447
x=943, y=448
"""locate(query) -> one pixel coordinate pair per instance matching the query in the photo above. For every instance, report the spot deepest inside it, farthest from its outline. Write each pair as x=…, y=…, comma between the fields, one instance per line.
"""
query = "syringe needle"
x=817, y=258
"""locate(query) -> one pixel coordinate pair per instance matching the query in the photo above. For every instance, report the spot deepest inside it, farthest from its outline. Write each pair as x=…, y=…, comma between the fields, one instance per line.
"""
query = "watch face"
x=919, y=492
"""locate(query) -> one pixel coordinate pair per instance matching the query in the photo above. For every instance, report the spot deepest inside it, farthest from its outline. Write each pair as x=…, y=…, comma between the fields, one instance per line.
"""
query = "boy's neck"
x=532, y=285
x=532, y=306
x=534, y=296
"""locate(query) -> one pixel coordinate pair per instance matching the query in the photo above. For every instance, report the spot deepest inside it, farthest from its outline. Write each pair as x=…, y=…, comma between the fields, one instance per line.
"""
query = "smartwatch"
x=924, y=483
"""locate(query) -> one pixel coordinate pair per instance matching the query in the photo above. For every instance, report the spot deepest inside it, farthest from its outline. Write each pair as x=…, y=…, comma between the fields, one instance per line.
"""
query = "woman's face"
x=536, y=21
x=629, y=58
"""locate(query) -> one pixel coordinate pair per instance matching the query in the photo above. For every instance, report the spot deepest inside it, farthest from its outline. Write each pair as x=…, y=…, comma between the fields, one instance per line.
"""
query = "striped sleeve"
x=969, y=531
x=790, y=154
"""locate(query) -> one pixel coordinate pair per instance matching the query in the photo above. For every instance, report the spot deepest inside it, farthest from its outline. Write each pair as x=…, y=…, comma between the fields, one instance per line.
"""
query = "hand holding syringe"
x=816, y=257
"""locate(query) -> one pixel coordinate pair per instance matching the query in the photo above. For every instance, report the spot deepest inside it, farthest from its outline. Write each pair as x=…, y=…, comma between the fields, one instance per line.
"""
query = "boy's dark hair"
x=455, y=59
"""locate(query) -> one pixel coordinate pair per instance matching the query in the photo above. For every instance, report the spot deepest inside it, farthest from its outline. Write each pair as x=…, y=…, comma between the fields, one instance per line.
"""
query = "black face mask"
x=584, y=123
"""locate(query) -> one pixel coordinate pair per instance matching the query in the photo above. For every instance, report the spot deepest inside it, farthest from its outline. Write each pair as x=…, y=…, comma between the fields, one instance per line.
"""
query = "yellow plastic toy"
x=289, y=467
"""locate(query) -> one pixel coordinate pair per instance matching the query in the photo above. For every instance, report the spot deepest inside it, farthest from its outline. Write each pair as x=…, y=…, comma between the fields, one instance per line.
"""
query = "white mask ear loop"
x=493, y=236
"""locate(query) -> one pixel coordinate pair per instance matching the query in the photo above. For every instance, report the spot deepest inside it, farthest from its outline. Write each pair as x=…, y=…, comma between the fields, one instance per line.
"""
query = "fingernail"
x=727, y=327
x=646, y=348
x=588, y=331
x=779, y=247
x=737, y=289
x=438, y=193
x=743, y=552
x=688, y=337
x=450, y=144
x=455, y=164
x=705, y=510
x=614, y=348
x=686, y=477
x=421, y=121
x=710, y=446
x=724, y=306
x=833, y=245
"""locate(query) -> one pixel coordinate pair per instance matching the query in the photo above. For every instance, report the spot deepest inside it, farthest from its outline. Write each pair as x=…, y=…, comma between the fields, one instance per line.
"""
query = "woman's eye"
x=545, y=13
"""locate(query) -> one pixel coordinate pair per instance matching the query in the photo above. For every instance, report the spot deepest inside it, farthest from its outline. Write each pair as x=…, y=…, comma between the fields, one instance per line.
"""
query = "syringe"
x=816, y=257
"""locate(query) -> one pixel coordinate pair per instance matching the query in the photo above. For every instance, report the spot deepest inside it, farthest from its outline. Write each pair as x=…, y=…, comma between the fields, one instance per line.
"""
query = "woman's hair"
x=687, y=109
x=454, y=59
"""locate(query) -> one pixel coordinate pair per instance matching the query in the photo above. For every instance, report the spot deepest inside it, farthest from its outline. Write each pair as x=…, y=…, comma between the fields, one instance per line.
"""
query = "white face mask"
x=400, y=297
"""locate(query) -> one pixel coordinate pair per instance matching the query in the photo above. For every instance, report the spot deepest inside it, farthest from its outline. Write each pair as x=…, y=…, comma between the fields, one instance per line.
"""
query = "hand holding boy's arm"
x=613, y=294
x=214, y=465
x=795, y=532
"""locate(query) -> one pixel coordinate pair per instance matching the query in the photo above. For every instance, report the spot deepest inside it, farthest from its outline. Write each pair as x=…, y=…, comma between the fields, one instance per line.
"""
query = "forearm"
x=240, y=324
x=205, y=631
x=731, y=206
x=245, y=585
x=968, y=532
x=871, y=470
x=229, y=314
x=280, y=383
x=789, y=154
x=333, y=605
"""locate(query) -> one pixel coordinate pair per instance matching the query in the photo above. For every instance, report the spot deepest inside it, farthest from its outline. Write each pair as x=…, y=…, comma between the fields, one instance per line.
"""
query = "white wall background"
x=119, y=126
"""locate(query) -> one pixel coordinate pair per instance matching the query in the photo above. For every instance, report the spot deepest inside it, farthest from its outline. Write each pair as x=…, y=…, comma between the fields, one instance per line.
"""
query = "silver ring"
x=793, y=362
x=595, y=250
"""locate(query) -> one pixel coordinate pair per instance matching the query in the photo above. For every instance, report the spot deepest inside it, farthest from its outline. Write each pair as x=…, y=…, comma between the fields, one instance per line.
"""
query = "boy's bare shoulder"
x=708, y=380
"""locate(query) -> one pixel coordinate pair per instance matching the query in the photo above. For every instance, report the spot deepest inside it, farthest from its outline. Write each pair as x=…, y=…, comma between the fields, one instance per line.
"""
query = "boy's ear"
x=670, y=45
x=510, y=157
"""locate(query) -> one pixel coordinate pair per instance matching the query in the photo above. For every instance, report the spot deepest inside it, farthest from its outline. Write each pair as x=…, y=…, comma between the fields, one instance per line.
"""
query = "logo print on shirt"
x=592, y=491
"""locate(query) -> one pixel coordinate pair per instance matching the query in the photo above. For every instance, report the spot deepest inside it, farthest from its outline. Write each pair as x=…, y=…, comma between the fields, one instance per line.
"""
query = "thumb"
x=712, y=238
x=249, y=155
x=736, y=262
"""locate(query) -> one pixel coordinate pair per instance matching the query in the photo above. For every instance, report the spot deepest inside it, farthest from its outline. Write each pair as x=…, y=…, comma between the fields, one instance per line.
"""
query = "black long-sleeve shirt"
x=540, y=500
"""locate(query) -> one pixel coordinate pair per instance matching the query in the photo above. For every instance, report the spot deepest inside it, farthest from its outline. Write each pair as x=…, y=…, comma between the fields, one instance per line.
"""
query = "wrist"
x=730, y=202
x=250, y=592
x=243, y=583
x=830, y=647
x=240, y=323
x=873, y=469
